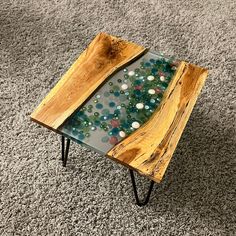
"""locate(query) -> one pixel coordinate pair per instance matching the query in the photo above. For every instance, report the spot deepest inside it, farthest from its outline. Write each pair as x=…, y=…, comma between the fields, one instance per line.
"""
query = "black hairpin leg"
x=64, y=153
x=138, y=202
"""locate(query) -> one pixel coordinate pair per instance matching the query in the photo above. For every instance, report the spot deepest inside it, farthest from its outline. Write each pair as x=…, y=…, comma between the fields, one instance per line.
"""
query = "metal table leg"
x=146, y=200
x=64, y=153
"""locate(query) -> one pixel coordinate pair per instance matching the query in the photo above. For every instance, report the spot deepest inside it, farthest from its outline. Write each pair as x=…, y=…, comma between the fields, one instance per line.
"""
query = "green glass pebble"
x=106, y=94
x=105, y=112
x=164, y=85
x=96, y=113
x=90, y=106
x=110, y=83
x=116, y=87
x=95, y=101
x=119, y=80
x=105, y=139
x=87, y=135
x=74, y=131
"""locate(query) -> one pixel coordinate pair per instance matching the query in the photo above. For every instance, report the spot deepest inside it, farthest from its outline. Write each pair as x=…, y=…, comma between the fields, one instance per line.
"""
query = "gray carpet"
x=39, y=40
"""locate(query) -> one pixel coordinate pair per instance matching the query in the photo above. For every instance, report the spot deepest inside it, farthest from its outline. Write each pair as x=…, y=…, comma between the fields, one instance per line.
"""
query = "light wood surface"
x=149, y=149
x=104, y=55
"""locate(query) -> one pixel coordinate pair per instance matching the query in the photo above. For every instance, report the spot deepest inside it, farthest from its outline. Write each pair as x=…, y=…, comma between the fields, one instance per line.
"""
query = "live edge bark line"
x=149, y=149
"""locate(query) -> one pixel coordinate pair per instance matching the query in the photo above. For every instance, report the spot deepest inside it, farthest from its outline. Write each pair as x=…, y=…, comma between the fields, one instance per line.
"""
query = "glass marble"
x=123, y=104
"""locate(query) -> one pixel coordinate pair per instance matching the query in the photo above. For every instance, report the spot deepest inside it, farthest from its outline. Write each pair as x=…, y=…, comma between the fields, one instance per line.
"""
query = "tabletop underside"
x=125, y=102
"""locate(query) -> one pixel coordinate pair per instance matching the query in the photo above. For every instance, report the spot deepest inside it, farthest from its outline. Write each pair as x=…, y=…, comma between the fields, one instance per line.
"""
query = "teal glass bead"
x=80, y=113
x=111, y=104
x=110, y=116
x=99, y=106
x=81, y=136
x=137, y=82
x=147, y=64
x=116, y=94
x=115, y=131
x=154, y=71
x=152, y=61
x=117, y=112
x=97, y=122
x=137, y=93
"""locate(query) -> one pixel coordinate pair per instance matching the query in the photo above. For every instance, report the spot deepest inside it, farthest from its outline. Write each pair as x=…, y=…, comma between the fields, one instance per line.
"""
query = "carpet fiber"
x=39, y=40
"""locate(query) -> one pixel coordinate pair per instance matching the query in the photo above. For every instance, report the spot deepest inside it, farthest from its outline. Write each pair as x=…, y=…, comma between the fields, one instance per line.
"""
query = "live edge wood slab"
x=103, y=57
x=149, y=149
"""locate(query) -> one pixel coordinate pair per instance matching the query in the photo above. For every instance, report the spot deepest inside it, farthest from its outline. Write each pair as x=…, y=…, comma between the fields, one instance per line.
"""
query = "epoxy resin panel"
x=123, y=103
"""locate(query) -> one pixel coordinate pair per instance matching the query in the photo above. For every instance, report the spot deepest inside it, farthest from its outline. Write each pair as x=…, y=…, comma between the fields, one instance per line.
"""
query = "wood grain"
x=103, y=57
x=149, y=149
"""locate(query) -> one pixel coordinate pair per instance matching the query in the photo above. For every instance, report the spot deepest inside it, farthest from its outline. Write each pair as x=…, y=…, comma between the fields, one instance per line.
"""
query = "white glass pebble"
x=131, y=73
x=124, y=86
x=139, y=105
x=150, y=77
x=122, y=134
x=151, y=91
x=135, y=125
x=162, y=78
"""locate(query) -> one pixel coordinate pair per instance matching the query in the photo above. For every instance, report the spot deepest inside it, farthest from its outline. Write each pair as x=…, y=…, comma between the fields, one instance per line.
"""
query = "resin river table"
x=125, y=102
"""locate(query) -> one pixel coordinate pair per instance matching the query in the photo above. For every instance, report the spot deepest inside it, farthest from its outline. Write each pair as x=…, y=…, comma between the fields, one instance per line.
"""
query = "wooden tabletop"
x=149, y=148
